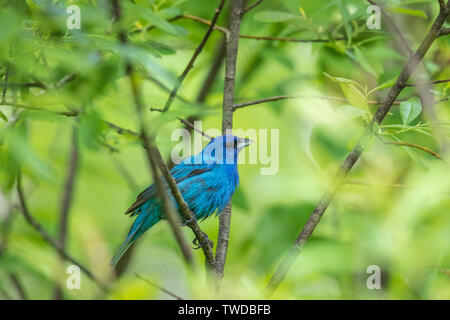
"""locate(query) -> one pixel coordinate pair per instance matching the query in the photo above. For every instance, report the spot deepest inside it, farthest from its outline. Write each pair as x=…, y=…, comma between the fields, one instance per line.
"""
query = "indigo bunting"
x=206, y=181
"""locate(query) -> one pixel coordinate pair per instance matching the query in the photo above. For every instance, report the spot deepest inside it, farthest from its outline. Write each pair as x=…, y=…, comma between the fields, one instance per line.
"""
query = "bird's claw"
x=187, y=222
x=198, y=245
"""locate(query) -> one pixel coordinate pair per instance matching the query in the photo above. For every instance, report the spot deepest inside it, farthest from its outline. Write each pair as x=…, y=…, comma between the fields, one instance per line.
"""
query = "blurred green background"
x=393, y=212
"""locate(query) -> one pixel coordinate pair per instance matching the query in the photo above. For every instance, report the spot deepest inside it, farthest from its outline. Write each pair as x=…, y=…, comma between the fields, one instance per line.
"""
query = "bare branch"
x=18, y=286
x=416, y=146
x=213, y=71
x=173, y=295
x=36, y=225
x=444, y=32
x=226, y=32
x=257, y=3
x=197, y=52
x=66, y=199
x=354, y=155
x=427, y=83
x=285, y=97
x=227, y=124
x=189, y=218
x=5, y=83
x=287, y=39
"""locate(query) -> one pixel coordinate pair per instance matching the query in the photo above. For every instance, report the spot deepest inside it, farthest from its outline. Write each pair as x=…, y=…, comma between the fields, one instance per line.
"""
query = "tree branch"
x=5, y=82
x=427, y=83
x=444, y=32
x=227, y=124
x=18, y=286
x=286, y=97
x=226, y=32
x=66, y=199
x=36, y=225
x=173, y=295
x=189, y=218
x=416, y=146
x=167, y=207
x=354, y=155
x=197, y=52
x=257, y=3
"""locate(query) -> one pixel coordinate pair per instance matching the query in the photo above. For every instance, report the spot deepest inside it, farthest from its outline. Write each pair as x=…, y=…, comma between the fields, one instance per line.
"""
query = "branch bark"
x=66, y=199
x=227, y=124
x=354, y=155
x=416, y=146
x=37, y=226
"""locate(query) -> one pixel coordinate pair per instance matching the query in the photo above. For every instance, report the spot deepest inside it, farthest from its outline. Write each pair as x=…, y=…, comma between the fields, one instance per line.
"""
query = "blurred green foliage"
x=393, y=212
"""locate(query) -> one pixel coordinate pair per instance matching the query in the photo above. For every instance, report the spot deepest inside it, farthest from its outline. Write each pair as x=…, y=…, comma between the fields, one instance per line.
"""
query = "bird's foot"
x=187, y=222
x=198, y=245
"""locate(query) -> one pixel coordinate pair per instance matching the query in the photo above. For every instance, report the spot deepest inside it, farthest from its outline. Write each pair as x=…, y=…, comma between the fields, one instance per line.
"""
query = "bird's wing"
x=180, y=172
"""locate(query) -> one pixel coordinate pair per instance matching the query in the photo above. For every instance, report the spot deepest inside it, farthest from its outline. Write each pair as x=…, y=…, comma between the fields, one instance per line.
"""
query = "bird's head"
x=225, y=149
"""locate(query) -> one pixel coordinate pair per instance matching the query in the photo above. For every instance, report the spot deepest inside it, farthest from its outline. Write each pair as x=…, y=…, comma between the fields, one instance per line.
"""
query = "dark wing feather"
x=180, y=172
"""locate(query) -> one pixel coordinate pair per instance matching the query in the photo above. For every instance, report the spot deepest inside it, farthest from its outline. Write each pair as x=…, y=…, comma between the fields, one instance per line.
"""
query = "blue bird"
x=206, y=180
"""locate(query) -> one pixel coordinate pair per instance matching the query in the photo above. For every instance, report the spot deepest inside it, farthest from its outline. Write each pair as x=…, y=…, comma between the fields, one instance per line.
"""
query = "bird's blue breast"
x=210, y=191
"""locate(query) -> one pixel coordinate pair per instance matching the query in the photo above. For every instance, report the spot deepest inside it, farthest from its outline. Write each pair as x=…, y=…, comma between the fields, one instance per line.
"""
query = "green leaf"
x=386, y=84
x=346, y=18
x=410, y=109
x=367, y=142
x=2, y=115
x=149, y=15
x=354, y=96
x=362, y=60
x=343, y=80
x=410, y=12
x=351, y=112
x=274, y=16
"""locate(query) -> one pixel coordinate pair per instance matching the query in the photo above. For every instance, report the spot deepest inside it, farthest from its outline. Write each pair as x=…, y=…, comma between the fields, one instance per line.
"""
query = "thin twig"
x=288, y=39
x=5, y=83
x=197, y=52
x=354, y=155
x=66, y=198
x=416, y=146
x=37, y=226
x=188, y=216
x=365, y=184
x=18, y=286
x=257, y=3
x=173, y=295
x=427, y=83
x=444, y=32
x=226, y=32
x=285, y=97
x=227, y=124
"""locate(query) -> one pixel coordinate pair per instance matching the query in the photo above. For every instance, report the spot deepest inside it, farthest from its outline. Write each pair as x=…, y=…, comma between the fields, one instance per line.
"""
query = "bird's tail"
x=125, y=246
x=140, y=225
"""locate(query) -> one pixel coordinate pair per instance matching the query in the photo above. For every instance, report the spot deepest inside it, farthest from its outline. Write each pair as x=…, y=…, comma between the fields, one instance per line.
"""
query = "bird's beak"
x=242, y=143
